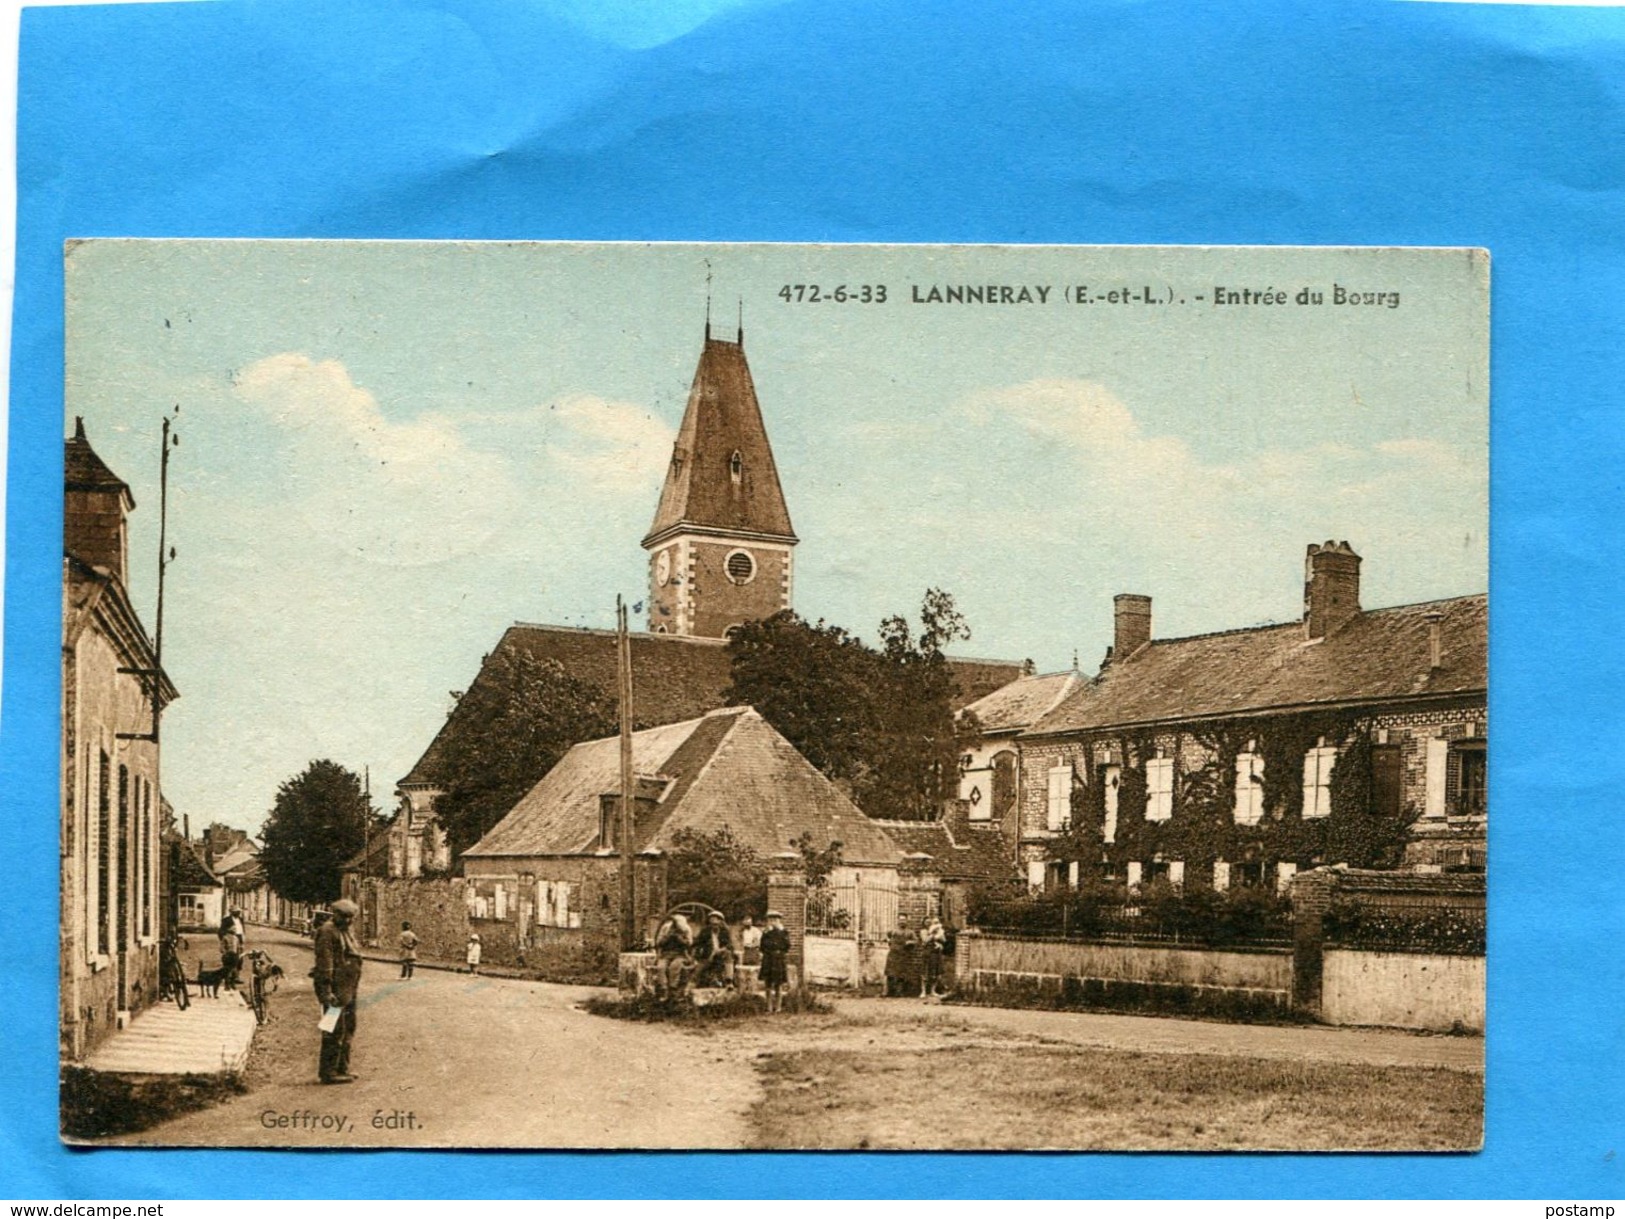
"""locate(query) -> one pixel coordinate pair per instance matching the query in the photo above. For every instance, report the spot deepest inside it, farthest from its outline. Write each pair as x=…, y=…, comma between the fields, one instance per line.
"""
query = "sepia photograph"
x=749, y=697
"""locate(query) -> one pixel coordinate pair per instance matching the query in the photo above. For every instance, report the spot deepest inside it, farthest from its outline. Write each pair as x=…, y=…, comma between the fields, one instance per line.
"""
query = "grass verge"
x=1033, y=1097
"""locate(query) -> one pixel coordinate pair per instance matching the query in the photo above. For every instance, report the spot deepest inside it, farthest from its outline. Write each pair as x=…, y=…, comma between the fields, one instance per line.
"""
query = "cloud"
x=397, y=492
x=617, y=447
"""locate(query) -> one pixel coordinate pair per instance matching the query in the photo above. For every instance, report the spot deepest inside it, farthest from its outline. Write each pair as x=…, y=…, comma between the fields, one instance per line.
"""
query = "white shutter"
x=1072, y=874
x=1284, y=872
x=1035, y=874
x=1060, y=795
x=1438, y=769
x=1249, y=788
x=1221, y=875
x=562, y=897
x=1176, y=872
x=1133, y=872
x=1111, y=777
x=500, y=892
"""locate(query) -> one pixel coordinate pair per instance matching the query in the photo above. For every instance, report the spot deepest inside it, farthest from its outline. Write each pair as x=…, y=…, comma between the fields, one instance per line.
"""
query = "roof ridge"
x=610, y=632
x=1291, y=622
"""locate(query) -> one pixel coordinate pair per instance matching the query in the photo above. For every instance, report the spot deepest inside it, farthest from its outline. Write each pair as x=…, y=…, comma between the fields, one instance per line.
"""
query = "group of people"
x=685, y=958
x=917, y=959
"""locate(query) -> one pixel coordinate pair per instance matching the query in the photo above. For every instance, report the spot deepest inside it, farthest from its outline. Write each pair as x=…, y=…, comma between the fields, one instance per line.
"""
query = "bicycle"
x=172, y=974
x=263, y=976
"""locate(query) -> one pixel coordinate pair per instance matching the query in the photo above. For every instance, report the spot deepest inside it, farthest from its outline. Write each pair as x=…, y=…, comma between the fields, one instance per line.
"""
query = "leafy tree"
x=718, y=869
x=321, y=818
x=505, y=733
x=879, y=721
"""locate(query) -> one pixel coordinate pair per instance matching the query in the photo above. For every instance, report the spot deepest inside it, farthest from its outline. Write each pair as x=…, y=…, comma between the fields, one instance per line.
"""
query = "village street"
x=451, y=1059
x=475, y=1062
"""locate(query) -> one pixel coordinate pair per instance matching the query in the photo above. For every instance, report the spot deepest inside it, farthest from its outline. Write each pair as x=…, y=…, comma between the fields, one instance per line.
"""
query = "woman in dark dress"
x=775, y=957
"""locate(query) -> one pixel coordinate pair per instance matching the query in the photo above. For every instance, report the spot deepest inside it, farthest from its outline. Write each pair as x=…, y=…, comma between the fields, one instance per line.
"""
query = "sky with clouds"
x=392, y=451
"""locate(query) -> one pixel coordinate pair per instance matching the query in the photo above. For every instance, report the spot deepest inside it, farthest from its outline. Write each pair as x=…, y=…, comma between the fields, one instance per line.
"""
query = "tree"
x=879, y=721
x=716, y=868
x=321, y=818
x=505, y=733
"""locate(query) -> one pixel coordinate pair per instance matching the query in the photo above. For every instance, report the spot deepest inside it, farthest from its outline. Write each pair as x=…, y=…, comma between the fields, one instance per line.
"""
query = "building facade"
x=112, y=825
x=1353, y=736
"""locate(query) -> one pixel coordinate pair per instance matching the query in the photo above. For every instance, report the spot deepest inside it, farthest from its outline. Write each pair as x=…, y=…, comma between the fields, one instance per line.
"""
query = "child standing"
x=775, y=958
x=473, y=957
x=409, y=949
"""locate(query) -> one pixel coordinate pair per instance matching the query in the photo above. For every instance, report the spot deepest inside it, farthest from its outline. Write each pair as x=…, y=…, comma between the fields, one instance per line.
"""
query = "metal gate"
x=865, y=910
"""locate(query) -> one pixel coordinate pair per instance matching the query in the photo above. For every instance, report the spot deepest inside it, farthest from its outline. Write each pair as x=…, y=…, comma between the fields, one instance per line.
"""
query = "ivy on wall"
x=1203, y=828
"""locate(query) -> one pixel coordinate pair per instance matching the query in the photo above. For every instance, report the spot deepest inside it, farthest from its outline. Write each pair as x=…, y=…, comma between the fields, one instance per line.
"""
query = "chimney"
x=1435, y=641
x=1331, y=588
x=1131, y=615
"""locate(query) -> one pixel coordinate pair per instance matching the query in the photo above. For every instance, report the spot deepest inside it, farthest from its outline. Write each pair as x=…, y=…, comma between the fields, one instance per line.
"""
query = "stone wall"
x=1403, y=990
x=515, y=931
x=994, y=962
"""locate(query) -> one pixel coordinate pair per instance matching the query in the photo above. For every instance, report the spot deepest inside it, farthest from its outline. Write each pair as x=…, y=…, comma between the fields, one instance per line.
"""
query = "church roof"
x=976, y=677
x=675, y=677
x=84, y=470
x=729, y=768
x=722, y=418
x=1378, y=656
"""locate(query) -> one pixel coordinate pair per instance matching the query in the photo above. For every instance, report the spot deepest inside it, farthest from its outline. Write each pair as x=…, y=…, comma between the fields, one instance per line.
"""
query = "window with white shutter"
x=1221, y=876
x=1059, y=805
x=1284, y=872
x=1035, y=874
x=1111, y=778
x=1438, y=770
x=1249, y=787
x=1159, y=788
x=1317, y=779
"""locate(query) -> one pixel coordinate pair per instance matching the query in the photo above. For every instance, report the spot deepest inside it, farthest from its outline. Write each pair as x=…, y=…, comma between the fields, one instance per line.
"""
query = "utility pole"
x=623, y=655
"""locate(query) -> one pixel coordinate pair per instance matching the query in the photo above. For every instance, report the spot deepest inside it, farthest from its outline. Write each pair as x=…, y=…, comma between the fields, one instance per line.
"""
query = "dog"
x=208, y=981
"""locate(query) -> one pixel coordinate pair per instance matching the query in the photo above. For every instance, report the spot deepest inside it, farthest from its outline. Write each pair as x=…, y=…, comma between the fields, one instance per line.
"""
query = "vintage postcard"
x=774, y=696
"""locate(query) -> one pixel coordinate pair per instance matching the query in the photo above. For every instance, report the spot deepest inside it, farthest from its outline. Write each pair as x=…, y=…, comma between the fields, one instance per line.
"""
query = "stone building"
x=1352, y=736
x=112, y=806
x=544, y=882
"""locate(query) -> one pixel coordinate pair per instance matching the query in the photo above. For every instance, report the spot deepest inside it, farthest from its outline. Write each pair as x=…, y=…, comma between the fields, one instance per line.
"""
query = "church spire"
x=721, y=540
x=722, y=474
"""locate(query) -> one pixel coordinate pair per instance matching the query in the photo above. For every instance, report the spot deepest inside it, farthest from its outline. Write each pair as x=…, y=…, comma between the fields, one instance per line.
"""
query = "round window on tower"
x=740, y=566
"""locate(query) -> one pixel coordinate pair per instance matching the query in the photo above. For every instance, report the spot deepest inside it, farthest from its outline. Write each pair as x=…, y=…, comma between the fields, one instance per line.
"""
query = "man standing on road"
x=337, y=976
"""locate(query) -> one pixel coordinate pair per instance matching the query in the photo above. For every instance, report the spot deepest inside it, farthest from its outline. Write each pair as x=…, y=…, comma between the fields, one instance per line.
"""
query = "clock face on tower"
x=663, y=567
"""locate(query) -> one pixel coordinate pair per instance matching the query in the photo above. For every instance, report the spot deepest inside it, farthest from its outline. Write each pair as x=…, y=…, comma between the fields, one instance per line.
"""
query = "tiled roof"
x=729, y=768
x=1024, y=701
x=190, y=870
x=674, y=677
x=971, y=854
x=722, y=418
x=84, y=470
x=977, y=677
x=1377, y=656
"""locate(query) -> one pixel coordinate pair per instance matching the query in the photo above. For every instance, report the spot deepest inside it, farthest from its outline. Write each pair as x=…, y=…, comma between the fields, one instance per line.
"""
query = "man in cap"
x=337, y=976
x=714, y=949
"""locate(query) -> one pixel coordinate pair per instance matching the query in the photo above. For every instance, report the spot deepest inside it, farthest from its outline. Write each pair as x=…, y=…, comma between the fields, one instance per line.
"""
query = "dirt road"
x=453, y=1060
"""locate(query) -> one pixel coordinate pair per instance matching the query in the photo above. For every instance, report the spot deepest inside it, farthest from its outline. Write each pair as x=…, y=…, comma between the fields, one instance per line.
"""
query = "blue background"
x=919, y=120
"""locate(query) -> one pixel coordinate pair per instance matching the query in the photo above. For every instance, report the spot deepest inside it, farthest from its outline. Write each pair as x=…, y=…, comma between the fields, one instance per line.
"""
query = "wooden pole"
x=623, y=642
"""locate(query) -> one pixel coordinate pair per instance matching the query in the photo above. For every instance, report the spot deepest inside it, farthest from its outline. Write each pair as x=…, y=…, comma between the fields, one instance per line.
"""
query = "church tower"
x=721, y=546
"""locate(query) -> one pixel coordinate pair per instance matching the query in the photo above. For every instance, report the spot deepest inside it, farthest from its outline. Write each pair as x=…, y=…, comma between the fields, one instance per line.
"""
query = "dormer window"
x=736, y=467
